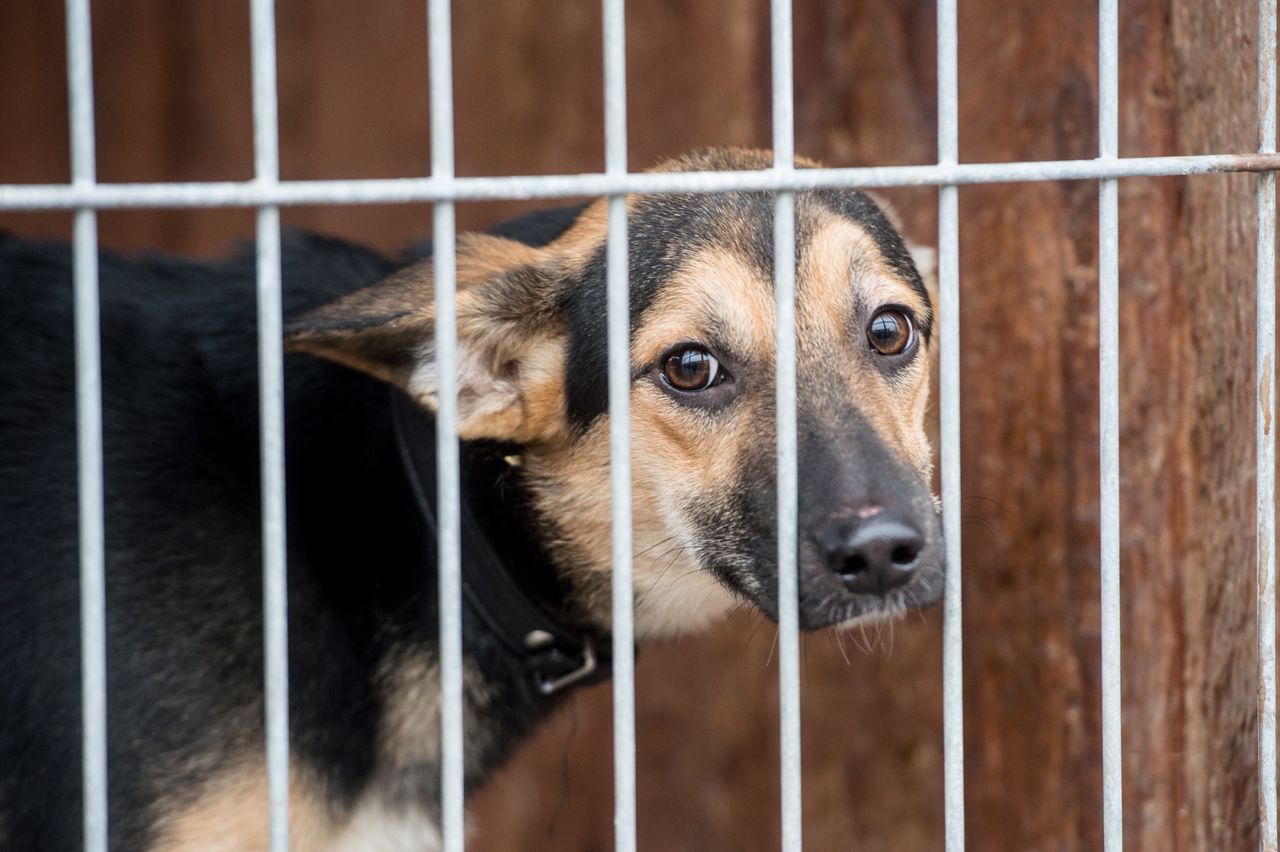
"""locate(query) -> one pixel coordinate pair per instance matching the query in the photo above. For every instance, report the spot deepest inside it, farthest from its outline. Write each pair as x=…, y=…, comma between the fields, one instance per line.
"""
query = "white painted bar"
x=1266, y=436
x=949, y=414
x=1109, y=426
x=430, y=189
x=271, y=425
x=449, y=521
x=784, y=253
x=619, y=325
x=93, y=638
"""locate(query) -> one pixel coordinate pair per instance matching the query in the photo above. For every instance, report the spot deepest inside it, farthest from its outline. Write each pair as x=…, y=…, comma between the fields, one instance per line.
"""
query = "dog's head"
x=532, y=353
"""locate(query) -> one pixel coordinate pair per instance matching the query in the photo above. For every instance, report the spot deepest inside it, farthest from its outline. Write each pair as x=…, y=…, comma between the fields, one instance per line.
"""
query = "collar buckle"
x=587, y=665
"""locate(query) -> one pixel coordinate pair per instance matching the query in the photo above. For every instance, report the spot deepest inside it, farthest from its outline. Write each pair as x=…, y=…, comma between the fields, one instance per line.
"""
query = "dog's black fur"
x=180, y=431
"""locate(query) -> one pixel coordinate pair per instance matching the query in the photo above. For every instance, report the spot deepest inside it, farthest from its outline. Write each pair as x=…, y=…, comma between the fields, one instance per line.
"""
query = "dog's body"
x=184, y=605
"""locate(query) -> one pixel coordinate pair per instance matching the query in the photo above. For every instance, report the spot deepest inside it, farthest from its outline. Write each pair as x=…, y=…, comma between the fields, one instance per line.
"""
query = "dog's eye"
x=890, y=332
x=691, y=369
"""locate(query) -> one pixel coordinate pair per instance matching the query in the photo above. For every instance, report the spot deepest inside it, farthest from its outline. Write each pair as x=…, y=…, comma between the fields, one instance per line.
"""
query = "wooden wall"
x=173, y=104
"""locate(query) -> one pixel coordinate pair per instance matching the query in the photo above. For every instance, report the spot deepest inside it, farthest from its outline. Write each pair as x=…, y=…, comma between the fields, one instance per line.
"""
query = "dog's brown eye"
x=890, y=332
x=691, y=369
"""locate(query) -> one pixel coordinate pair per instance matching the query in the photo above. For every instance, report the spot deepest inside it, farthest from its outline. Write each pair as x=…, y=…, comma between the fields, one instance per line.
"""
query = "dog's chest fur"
x=397, y=812
x=375, y=828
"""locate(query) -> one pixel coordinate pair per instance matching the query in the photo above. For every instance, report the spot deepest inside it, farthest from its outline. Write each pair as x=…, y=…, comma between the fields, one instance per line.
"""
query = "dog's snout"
x=872, y=552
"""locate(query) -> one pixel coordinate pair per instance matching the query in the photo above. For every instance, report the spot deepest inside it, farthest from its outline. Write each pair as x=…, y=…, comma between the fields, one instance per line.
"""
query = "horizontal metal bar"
x=424, y=190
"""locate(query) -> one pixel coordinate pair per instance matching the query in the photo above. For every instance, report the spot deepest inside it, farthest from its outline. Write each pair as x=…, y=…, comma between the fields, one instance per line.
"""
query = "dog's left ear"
x=510, y=338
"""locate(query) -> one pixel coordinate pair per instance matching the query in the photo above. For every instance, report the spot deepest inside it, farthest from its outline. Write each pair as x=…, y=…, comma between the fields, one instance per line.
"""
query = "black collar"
x=554, y=655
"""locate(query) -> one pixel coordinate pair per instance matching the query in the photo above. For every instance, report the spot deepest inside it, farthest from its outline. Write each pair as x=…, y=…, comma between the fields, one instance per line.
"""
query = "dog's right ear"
x=510, y=338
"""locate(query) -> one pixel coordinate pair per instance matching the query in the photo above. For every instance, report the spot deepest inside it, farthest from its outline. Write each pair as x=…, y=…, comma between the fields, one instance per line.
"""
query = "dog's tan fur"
x=231, y=815
x=232, y=809
x=512, y=348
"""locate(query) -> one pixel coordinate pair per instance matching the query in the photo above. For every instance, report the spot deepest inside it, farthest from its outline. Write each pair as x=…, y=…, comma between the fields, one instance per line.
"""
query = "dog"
x=183, y=564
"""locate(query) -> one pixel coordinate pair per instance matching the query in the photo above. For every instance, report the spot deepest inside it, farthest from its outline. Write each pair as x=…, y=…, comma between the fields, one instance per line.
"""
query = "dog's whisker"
x=863, y=643
x=693, y=572
x=656, y=544
x=837, y=643
x=755, y=628
x=670, y=556
x=843, y=652
x=769, y=660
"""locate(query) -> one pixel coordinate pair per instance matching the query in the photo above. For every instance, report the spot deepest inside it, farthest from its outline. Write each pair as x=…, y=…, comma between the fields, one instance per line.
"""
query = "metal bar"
x=619, y=324
x=271, y=424
x=433, y=189
x=1109, y=425
x=949, y=398
x=444, y=235
x=784, y=253
x=93, y=638
x=1266, y=438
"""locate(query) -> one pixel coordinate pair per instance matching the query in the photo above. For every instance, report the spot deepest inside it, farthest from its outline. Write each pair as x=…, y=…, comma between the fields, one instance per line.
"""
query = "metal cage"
x=267, y=193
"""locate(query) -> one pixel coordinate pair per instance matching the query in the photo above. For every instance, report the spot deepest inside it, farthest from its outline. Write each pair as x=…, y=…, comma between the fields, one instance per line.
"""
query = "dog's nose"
x=873, y=552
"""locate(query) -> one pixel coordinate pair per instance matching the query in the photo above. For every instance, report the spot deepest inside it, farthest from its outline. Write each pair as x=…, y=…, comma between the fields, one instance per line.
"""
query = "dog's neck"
x=510, y=582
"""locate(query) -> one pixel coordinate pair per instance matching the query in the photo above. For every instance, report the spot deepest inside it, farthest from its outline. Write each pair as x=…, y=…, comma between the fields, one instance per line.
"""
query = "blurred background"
x=173, y=104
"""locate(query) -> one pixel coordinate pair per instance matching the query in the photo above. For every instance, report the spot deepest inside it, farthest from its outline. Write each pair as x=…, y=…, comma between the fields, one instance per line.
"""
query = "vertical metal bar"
x=949, y=397
x=1266, y=438
x=271, y=425
x=619, y=323
x=784, y=252
x=1109, y=426
x=452, y=748
x=93, y=638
